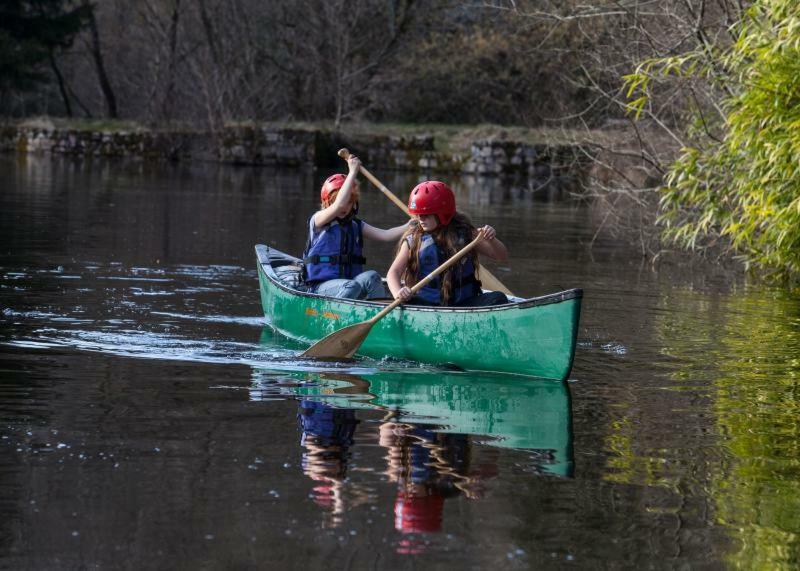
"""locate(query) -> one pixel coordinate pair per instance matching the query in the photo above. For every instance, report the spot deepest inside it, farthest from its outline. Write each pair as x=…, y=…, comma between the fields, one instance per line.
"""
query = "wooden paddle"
x=343, y=343
x=491, y=282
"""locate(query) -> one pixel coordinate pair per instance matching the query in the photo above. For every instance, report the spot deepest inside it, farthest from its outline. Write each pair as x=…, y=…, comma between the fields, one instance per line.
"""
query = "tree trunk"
x=166, y=102
x=97, y=55
x=61, y=84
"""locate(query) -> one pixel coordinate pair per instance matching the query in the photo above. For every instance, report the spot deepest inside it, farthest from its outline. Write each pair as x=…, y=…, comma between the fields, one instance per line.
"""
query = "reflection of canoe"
x=532, y=337
x=520, y=413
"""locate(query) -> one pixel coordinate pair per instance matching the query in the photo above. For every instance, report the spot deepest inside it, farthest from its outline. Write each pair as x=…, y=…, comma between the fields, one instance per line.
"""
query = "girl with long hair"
x=440, y=232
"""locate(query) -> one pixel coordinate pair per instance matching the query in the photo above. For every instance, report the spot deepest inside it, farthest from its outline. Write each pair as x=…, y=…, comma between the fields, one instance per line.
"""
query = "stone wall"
x=400, y=153
x=234, y=145
x=265, y=146
x=513, y=158
x=294, y=147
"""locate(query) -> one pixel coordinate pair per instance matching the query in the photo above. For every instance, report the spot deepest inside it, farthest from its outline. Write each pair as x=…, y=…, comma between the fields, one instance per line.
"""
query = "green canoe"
x=526, y=414
x=530, y=336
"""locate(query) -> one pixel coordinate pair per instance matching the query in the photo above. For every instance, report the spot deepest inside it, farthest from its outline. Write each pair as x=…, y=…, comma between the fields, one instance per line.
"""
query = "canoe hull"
x=534, y=337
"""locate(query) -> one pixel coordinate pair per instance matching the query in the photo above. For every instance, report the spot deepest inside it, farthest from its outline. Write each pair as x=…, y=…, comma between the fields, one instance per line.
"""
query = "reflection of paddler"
x=416, y=453
x=327, y=436
x=330, y=427
x=428, y=466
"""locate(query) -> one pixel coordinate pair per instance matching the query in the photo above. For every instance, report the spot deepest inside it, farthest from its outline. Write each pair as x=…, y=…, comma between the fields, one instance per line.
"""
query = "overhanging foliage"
x=738, y=179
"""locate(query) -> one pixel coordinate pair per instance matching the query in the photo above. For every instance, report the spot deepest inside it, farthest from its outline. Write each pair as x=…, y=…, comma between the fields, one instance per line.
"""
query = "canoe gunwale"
x=266, y=266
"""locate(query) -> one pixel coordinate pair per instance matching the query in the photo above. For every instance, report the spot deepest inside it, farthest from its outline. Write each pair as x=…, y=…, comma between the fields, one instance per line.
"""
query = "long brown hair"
x=450, y=239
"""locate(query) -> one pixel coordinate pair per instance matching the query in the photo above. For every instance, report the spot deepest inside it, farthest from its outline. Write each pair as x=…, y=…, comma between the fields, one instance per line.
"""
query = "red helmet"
x=433, y=197
x=331, y=185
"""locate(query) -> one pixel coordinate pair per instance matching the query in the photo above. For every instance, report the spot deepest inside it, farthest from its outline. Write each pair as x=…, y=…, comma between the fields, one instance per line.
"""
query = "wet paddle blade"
x=340, y=344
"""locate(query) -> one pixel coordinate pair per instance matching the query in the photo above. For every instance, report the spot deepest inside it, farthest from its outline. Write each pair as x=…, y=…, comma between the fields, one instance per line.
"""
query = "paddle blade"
x=340, y=344
x=489, y=282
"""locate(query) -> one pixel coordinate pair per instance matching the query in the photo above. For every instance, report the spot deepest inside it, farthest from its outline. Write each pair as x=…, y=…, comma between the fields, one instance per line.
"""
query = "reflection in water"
x=428, y=467
x=737, y=358
x=499, y=410
x=756, y=392
x=430, y=424
x=327, y=437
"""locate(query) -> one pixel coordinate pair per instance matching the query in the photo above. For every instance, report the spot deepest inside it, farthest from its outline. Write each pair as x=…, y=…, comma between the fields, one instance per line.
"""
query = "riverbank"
x=485, y=150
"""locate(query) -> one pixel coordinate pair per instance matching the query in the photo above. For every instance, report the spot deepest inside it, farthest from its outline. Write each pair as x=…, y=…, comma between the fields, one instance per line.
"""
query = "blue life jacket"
x=335, y=251
x=465, y=284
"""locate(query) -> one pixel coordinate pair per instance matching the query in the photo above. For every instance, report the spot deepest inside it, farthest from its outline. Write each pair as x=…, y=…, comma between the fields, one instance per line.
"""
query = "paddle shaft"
x=424, y=281
x=491, y=281
x=345, y=154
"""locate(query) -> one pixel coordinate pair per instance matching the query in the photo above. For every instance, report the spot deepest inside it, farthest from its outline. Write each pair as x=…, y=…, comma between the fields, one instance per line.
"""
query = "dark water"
x=151, y=420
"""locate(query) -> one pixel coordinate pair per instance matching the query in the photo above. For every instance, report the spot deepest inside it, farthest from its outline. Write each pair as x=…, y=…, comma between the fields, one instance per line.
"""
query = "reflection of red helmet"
x=418, y=514
x=331, y=185
x=433, y=197
x=323, y=496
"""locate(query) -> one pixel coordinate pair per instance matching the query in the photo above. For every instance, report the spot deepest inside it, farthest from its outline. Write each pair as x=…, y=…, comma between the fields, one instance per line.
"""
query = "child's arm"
x=491, y=246
x=396, y=272
x=329, y=214
x=389, y=235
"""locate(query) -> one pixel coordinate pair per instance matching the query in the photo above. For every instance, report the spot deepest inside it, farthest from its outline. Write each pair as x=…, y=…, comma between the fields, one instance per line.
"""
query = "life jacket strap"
x=344, y=259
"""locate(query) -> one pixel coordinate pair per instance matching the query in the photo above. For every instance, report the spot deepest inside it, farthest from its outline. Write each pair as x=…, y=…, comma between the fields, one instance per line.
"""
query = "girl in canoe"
x=333, y=260
x=441, y=232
